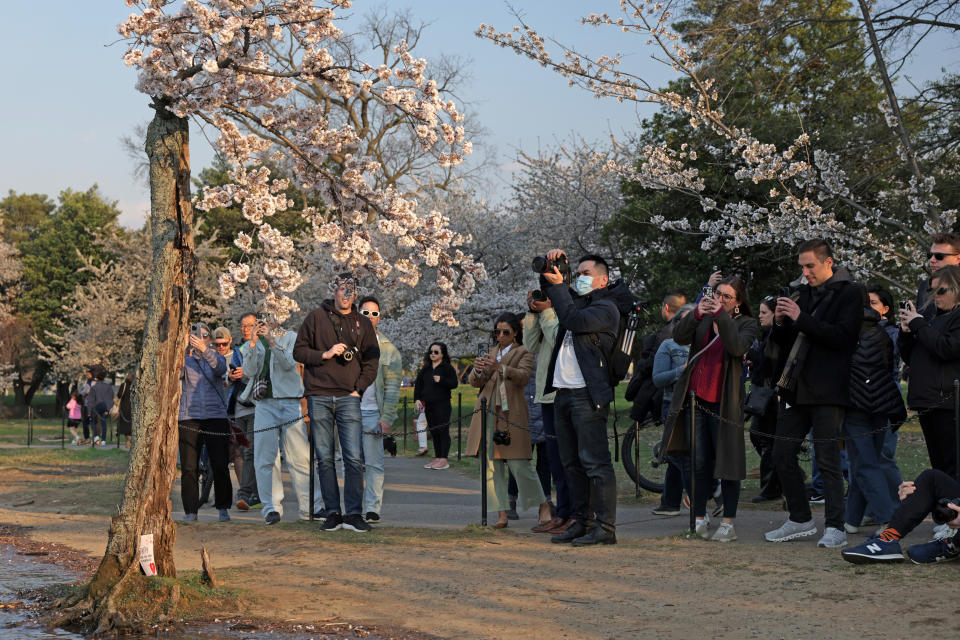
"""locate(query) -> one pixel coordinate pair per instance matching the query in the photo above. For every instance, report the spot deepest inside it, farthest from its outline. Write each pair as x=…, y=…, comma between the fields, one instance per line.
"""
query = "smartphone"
x=481, y=349
x=784, y=292
x=707, y=292
x=905, y=304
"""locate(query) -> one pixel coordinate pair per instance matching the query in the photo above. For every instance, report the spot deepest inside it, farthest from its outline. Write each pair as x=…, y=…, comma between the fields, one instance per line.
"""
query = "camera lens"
x=347, y=355
x=539, y=264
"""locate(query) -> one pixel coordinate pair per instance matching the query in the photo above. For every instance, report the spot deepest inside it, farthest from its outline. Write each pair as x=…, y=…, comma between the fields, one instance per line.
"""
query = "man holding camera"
x=819, y=331
x=338, y=347
x=933, y=492
x=589, y=318
x=378, y=409
x=276, y=389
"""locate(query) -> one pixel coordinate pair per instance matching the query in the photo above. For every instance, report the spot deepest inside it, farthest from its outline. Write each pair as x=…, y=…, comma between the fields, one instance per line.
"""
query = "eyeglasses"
x=940, y=256
x=939, y=291
x=372, y=314
x=436, y=353
x=504, y=332
x=726, y=297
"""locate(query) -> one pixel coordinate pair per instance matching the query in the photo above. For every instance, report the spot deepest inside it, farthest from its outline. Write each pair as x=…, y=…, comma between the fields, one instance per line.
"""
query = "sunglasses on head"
x=372, y=314
x=939, y=256
x=939, y=291
x=504, y=332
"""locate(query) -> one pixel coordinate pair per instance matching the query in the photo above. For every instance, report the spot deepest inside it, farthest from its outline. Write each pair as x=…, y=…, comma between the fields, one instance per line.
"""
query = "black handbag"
x=758, y=400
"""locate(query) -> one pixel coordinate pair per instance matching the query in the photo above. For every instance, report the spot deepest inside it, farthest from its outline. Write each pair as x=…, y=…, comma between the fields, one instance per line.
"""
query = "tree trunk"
x=146, y=507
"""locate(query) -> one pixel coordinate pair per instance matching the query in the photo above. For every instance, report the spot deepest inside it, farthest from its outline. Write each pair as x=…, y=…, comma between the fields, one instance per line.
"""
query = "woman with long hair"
x=931, y=347
x=766, y=365
x=501, y=375
x=431, y=394
x=720, y=332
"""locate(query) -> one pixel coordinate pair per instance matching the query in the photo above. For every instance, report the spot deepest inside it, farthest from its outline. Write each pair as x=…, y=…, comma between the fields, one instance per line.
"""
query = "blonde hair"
x=949, y=277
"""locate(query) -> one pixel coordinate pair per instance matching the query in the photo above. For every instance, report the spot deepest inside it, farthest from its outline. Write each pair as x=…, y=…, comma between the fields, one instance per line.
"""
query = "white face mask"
x=583, y=285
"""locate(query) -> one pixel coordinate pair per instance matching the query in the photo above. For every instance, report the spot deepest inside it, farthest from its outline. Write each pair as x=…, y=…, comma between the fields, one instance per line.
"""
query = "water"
x=20, y=572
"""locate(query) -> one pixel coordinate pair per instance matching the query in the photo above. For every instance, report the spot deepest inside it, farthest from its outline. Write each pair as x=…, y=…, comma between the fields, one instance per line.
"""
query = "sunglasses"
x=940, y=256
x=372, y=314
x=221, y=344
x=436, y=353
x=939, y=291
x=504, y=332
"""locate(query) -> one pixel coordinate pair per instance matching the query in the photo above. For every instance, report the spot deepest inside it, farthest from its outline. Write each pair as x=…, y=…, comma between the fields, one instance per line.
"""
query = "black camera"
x=905, y=304
x=501, y=437
x=538, y=296
x=348, y=355
x=390, y=445
x=542, y=264
x=942, y=514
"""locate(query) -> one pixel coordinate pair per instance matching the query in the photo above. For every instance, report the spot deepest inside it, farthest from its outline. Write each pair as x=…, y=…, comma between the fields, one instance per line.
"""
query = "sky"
x=69, y=98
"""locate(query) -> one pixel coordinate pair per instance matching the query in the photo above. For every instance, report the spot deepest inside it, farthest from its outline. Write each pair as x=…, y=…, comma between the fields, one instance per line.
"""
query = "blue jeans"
x=373, y=461
x=344, y=411
x=676, y=479
x=868, y=489
x=708, y=435
x=296, y=451
x=99, y=422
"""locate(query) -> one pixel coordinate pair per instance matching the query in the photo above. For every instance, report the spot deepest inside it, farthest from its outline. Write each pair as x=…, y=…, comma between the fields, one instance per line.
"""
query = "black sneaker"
x=272, y=518
x=354, y=522
x=333, y=522
x=372, y=517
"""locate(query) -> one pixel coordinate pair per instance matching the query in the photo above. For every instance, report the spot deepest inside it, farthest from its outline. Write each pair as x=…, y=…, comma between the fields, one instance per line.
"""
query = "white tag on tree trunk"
x=146, y=555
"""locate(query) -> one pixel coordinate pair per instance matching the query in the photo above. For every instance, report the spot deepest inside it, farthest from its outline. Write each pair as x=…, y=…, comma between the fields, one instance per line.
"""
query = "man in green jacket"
x=378, y=409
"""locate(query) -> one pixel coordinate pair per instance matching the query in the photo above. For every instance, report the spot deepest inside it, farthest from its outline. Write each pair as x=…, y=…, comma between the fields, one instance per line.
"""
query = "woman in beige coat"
x=501, y=376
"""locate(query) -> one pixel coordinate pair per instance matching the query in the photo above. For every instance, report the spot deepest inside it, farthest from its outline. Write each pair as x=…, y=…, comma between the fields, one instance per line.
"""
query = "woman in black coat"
x=431, y=393
x=766, y=365
x=932, y=350
x=125, y=416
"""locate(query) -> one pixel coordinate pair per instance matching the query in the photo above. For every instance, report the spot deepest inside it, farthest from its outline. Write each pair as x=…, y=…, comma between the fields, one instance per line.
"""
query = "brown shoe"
x=544, y=527
x=563, y=527
x=242, y=505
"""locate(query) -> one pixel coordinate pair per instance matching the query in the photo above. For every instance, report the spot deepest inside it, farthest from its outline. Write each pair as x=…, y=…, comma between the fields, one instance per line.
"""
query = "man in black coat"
x=944, y=251
x=819, y=332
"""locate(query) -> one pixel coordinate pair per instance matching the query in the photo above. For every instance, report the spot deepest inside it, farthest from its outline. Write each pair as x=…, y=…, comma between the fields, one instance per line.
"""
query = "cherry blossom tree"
x=216, y=62
x=10, y=270
x=805, y=191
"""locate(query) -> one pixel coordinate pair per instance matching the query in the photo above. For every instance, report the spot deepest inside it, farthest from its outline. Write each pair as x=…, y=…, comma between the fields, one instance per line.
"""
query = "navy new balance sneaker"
x=873, y=550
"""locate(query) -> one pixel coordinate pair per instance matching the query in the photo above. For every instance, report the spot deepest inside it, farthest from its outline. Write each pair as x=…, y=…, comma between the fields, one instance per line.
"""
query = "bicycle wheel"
x=640, y=455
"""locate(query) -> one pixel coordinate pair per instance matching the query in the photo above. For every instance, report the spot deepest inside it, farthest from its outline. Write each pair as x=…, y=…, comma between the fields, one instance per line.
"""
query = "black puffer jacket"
x=872, y=389
x=932, y=350
x=593, y=316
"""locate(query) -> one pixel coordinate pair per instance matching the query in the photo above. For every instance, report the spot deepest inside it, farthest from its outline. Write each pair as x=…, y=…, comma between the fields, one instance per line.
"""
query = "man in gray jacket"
x=277, y=396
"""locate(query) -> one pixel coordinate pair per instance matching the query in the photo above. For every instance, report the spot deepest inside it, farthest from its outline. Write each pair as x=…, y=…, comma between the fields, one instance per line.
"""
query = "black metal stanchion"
x=956, y=427
x=459, y=426
x=693, y=459
x=313, y=461
x=29, y=426
x=483, y=462
x=636, y=457
x=63, y=431
x=404, y=450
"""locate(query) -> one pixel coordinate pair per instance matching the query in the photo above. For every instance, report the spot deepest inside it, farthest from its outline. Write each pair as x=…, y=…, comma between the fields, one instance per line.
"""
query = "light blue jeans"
x=296, y=450
x=344, y=411
x=373, y=461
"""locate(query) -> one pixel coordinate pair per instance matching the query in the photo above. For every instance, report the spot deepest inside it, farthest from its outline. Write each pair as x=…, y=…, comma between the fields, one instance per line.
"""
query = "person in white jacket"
x=277, y=400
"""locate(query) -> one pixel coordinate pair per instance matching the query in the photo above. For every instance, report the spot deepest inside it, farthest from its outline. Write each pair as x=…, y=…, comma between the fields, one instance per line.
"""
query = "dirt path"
x=482, y=584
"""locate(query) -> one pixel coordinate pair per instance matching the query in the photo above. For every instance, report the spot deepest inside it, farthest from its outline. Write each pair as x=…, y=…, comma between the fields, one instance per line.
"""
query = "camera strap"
x=337, y=321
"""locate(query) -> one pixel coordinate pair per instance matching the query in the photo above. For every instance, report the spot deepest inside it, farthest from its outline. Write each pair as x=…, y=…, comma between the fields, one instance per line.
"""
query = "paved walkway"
x=418, y=497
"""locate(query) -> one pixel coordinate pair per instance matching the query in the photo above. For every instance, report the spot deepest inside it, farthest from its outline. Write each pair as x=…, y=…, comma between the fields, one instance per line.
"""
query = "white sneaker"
x=75, y=441
x=942, y=531
x=724, y=533
x=791, y=530
x=849, y=528
x=96, y=441
x=833, y=539
x=703, y=528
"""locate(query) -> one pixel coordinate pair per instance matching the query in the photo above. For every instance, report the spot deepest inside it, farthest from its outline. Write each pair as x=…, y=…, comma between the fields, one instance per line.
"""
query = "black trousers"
x=794, y=423
x=760, y=426
x=940, y=435
x=931, y=485
x=218, y=449
x=438, y=422
x=585, y=452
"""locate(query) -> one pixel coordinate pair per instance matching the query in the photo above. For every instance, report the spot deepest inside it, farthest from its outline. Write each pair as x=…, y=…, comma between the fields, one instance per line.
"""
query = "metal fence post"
x=483, y=462
x=63, y=431
x=956, y=427
x=636, y=457
x=404, y=448
x=313, y=460
x=693, y=459
x=459, y=426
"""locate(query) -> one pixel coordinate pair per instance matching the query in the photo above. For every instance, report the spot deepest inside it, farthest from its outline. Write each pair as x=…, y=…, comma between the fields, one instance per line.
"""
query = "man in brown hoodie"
x=338, y=348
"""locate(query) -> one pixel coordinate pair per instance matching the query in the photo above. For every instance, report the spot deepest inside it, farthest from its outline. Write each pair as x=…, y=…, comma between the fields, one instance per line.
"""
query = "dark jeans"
x=438, y=422
x=344, y=411
x=794, y=424
x=585, y=452
x=708, y=434
x=248, y=477
x=676, y=479
x=938, y=433
x=85, y=419
x=99, y=422
x=760, y=426
x=560, y=481
x=931, y=485
x=868, y=490
x=218, y=448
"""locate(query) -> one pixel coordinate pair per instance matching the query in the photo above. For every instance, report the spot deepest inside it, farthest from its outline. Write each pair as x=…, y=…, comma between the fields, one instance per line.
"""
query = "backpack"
x=621, y=354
